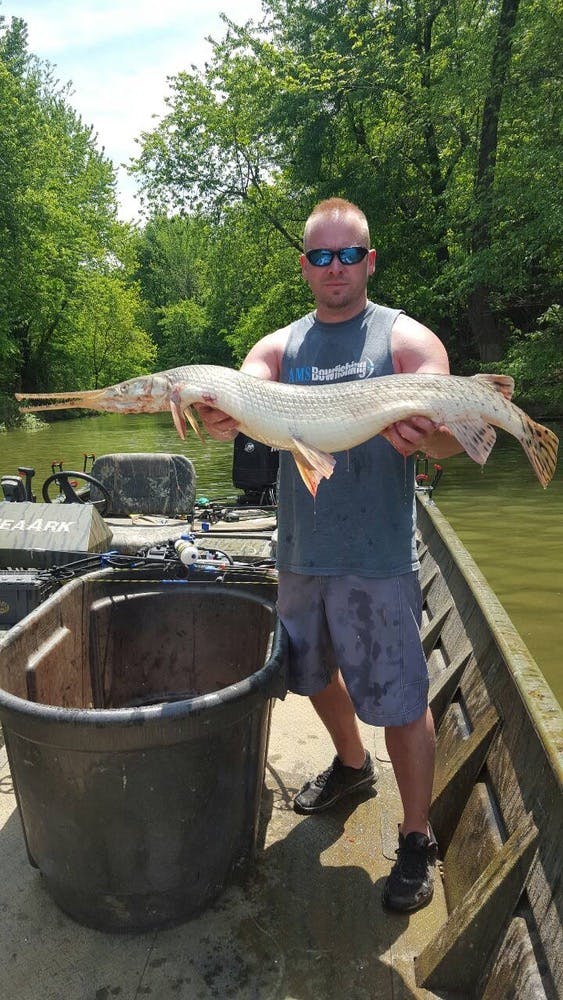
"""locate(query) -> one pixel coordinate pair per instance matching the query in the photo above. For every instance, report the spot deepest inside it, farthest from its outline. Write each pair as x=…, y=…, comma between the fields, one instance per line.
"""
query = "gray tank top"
x=363, y=518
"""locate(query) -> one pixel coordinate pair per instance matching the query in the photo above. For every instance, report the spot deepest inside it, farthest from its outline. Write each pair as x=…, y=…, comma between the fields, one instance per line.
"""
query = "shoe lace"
x=412, y=861
x=322, y=778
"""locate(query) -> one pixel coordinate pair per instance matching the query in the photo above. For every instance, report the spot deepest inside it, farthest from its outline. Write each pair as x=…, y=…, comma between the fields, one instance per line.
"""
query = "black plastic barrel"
x=136, y=720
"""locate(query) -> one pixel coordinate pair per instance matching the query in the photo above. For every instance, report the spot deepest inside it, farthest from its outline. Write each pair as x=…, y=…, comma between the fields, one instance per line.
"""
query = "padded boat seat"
x=146, y=483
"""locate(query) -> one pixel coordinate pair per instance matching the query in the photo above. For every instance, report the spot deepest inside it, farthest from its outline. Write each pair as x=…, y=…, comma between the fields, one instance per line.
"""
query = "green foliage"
x=535, y=361
x=99, y=342
x=68, y=312
x=385, y=104
x=9, y=413
x=186, y=338
x=382, y=104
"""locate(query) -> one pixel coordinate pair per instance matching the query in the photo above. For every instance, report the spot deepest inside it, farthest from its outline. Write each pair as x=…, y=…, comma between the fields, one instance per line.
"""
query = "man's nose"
x=335, y=266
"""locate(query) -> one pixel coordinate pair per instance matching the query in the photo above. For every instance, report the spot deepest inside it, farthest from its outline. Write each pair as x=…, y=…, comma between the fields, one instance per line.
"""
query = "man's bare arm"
x=262, y=361
x=417, y=350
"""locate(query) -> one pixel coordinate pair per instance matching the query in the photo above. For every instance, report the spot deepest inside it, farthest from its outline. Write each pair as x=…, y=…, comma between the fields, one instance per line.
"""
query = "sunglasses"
x=346, y=255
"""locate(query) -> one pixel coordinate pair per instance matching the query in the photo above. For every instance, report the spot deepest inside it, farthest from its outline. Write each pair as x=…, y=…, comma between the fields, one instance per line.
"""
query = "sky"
x=118, y=55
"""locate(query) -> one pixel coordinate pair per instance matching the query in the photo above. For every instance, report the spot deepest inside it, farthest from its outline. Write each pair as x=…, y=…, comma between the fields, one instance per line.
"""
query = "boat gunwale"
x=542, y=707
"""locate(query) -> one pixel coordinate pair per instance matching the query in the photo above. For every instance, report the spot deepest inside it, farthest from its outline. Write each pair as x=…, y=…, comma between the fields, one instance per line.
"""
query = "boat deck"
x=306, y=924
x=244, y=538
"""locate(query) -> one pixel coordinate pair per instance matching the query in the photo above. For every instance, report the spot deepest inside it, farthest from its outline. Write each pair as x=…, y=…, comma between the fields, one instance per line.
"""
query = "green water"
x=513, y=528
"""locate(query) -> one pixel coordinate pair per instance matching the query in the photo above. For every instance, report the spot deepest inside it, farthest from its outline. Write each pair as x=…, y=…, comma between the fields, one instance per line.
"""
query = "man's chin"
x=337, y=299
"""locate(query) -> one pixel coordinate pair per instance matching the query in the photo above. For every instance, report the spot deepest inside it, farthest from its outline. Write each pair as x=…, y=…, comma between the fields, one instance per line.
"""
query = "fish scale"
x=312, y=422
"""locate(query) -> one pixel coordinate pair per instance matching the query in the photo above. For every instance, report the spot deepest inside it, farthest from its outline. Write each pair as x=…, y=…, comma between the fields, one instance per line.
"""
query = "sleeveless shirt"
x=362, y=520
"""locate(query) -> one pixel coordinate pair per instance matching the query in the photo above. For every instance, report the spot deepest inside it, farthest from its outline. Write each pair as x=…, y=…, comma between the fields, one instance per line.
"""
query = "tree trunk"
x=438, y=183
x=483, y=325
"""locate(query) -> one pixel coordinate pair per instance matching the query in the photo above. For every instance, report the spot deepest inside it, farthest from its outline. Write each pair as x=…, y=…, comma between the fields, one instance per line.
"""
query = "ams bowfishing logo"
x=310, y=374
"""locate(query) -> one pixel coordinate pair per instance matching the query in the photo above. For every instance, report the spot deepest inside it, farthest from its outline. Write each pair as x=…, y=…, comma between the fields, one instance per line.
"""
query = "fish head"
x=144, y=394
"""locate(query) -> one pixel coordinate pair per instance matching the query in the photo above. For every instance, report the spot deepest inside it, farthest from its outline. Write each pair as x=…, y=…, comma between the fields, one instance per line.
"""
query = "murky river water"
x=513, y=528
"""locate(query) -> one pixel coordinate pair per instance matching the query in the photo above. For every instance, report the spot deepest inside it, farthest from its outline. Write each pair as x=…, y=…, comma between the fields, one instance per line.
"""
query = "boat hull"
x=494, y=927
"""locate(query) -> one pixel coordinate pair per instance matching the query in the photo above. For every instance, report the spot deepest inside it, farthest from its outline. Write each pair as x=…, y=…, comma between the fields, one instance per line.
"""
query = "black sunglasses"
x=346, y=255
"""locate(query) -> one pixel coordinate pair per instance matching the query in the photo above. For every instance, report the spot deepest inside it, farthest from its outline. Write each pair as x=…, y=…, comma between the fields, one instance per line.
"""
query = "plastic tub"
x=136, y=719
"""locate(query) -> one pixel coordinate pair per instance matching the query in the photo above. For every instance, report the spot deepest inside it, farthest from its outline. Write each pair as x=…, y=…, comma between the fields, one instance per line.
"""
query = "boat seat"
x=146, y=483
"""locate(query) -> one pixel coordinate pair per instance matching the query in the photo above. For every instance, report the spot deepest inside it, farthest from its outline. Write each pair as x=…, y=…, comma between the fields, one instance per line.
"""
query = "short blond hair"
x=336, y=208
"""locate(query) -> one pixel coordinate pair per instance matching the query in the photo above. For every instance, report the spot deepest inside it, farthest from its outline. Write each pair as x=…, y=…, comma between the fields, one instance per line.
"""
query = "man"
x=348, y=585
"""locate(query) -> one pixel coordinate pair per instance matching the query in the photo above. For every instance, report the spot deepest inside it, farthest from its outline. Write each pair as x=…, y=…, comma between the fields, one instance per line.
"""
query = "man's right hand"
x=219, y=425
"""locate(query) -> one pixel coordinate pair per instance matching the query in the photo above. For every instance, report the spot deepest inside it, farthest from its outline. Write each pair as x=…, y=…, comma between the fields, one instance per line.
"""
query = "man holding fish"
x=371, y=384
x=348, y=585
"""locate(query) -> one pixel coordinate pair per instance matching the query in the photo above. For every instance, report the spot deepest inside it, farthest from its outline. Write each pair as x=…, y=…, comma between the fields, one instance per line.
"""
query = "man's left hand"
x=409, y=436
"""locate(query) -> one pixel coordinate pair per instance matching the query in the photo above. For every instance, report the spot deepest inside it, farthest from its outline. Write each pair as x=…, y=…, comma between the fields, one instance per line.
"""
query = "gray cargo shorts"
x=369, y=629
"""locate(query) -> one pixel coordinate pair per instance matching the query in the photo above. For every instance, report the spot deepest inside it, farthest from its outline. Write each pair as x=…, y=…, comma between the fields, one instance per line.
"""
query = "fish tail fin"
x=540, y=445
x=500, y=383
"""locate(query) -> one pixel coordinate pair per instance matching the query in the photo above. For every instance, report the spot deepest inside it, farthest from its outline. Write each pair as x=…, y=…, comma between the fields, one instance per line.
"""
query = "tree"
x=483, y=324
x=427, y=113
x=57, y=213
x=99, y=340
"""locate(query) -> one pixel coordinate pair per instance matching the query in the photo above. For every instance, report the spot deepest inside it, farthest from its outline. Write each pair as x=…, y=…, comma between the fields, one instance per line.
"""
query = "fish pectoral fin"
x=475, y=436
x=500, y=383
x=178, y=418
x=313, y=464
x=189, y=414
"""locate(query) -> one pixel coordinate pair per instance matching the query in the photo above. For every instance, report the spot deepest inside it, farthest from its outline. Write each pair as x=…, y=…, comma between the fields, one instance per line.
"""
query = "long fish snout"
x=144, y=394
x=89, y=399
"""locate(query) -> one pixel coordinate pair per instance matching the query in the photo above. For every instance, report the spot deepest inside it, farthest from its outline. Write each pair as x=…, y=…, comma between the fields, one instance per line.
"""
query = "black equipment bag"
x=255, y=465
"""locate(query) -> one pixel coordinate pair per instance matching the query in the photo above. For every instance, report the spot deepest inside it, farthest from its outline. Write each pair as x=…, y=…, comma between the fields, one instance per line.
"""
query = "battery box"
x=20, y=592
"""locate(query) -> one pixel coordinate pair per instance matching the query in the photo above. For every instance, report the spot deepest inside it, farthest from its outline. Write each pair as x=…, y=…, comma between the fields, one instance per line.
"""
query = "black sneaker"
x=411, y=882
x=332, y=785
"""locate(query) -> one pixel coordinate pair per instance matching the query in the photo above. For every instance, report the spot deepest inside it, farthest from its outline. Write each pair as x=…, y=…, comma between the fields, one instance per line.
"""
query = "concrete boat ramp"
x=304, y=923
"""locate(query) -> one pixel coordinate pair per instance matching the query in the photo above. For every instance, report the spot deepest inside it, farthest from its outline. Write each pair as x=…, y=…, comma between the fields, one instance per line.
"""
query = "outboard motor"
x=255, y=471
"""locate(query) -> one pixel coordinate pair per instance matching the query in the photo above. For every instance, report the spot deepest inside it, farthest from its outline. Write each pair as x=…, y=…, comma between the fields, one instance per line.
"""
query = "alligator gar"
x=312, y=422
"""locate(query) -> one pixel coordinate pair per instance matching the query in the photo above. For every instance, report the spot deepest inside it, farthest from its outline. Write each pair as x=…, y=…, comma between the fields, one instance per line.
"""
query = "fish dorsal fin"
x=313, y=465
x=500, y=383
x=475, y=436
